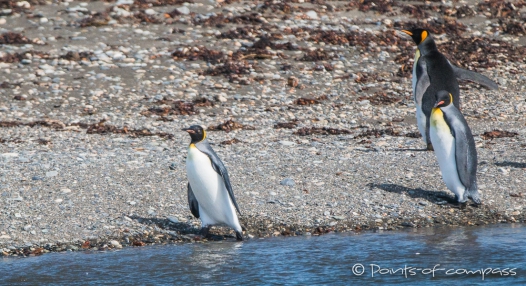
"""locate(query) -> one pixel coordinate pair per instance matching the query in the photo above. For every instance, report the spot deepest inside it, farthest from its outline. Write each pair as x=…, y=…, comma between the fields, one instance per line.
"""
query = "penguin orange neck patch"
x=423, y=36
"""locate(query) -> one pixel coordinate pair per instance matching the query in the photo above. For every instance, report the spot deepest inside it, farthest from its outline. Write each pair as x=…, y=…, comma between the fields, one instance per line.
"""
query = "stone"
x=287, y=143
x=312, y=14
x=183, y=10
x=150, y=12
x=51, y=174
x=9, y=155
x=115, y=244
x=173, y=219
x=124, y=2
x=287, y=182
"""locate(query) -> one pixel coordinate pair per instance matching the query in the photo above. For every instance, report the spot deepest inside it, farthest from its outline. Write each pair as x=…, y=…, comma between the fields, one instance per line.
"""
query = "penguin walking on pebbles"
x=433, y=72
x=454, y=148
x=210, y=194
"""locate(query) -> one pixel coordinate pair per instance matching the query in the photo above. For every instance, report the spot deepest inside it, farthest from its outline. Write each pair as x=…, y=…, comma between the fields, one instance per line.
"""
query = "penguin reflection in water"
x=454, y=148
x=433, y=72
x=210, y=193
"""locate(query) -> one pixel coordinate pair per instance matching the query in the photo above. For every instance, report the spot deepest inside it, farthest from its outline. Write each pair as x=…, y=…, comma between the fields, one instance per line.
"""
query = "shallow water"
x=333, y=258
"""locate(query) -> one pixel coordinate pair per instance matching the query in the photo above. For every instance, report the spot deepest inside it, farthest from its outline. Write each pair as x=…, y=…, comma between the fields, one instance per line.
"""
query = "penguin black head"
x=197, y=133
x=444, y=99
x=418, y=35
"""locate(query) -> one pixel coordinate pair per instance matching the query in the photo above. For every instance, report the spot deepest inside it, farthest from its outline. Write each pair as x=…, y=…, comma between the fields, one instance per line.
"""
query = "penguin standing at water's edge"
x=454, y=148
x=210, y=194
x=433, y=72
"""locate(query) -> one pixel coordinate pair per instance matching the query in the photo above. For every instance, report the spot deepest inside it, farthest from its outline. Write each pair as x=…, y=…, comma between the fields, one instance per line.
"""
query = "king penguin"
x=454, y=148
x=433, y=72
x=210, y=194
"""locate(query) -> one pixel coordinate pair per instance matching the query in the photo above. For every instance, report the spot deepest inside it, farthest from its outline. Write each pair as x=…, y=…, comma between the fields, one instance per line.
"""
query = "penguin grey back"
x=219, y=167
x=465, y=150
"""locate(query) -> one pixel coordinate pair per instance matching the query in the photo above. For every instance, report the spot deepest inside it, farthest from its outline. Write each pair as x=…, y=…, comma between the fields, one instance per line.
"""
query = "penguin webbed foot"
x=453, y=202
x=459, y=205
x=447, y=198
x=476, y=205
x=239, y=236
x=205, y=232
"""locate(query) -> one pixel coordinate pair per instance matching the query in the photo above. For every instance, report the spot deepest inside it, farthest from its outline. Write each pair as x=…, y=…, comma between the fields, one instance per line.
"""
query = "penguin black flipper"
x=463, y=74
x=192, y=202
x=465, y=152
x=422, y=82
x=218, y=166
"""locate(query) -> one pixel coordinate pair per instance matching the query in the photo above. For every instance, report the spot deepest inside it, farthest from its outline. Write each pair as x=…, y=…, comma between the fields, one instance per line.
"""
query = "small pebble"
x=287, y=182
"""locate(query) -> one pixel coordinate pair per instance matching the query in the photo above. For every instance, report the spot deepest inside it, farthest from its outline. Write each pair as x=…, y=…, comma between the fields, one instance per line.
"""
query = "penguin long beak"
x=188, y=130
x=439, y=103
x=407, y=32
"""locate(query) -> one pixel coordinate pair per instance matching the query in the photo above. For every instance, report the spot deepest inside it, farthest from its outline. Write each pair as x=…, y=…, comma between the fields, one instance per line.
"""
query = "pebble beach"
x=308, y=104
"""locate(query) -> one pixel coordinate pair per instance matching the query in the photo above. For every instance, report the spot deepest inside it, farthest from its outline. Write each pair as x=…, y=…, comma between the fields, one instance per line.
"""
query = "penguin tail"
x=474, y=195
x=476, y=199
x=429, y=147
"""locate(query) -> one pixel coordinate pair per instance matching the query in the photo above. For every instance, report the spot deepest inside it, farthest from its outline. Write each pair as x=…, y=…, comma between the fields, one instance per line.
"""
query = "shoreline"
x=171, y=234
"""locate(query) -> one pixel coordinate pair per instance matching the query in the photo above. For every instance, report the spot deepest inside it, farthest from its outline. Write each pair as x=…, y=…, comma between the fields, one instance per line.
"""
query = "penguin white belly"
x=215, y=206
x=444, y=145
x=421, y=121
x=414, y=80
x=420, y=116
